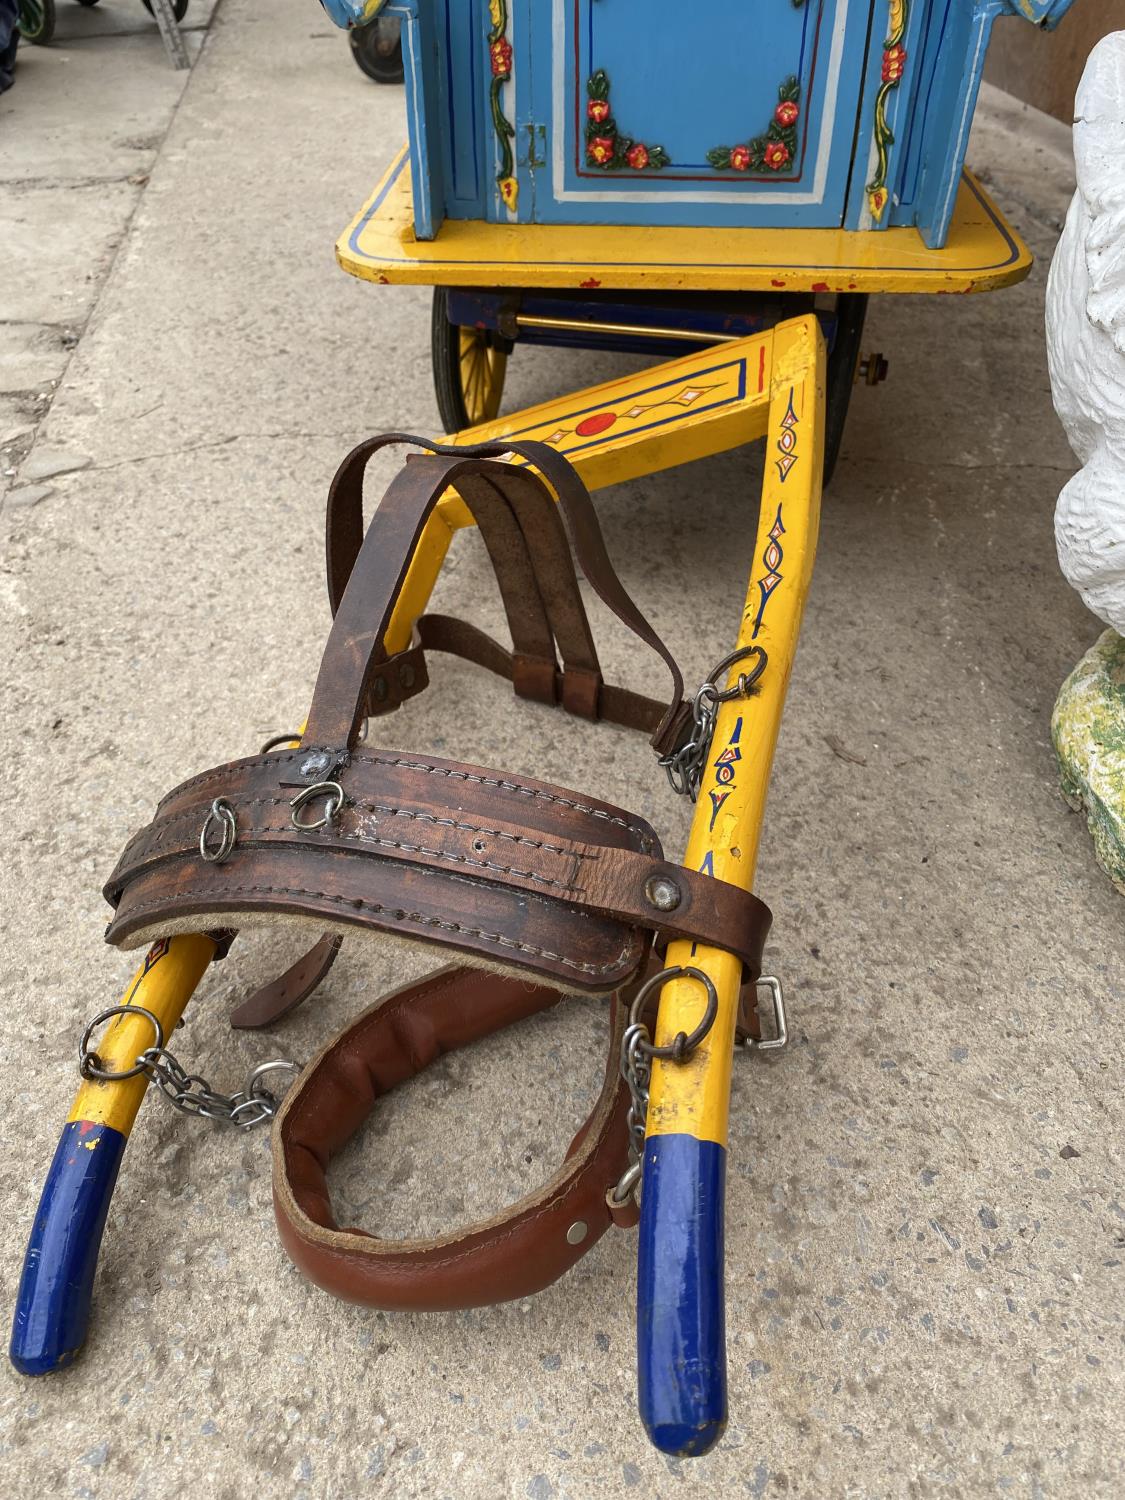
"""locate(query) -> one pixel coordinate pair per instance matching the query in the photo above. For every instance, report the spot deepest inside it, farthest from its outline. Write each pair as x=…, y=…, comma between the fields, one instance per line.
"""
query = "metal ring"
x=251, y=1087
x=275, y=741
x=89, y=1063
x=331, y=789
x=682, y=1043
x=625, y=1187
x=746, y=680
x=223, y=813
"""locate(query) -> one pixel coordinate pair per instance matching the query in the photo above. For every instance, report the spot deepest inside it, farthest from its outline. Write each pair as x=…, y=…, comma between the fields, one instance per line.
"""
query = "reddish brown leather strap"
x=513, y=1254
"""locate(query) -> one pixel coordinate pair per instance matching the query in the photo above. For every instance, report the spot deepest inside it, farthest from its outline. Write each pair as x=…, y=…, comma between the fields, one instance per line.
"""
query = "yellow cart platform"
x=983, y=252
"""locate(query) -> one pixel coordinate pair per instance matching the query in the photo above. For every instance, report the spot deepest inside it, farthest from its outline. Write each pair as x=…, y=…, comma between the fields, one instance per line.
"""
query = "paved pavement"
x=926, y=1226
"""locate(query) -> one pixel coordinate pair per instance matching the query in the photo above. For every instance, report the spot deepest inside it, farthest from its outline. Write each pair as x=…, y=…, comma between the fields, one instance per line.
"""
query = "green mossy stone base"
x=1088, y=731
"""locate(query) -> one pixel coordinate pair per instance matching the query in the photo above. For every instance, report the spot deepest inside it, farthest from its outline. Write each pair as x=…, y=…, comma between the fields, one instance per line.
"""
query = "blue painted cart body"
x=786, y=114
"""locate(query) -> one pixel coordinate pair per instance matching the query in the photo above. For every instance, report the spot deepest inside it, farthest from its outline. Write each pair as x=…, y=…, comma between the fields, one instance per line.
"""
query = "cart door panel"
x=720, y=113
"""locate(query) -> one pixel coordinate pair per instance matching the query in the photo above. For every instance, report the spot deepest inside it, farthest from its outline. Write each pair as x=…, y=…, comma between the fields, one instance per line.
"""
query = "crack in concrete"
x=144, y=171
x=225, y=442
x=930, y=465
x=17, y=185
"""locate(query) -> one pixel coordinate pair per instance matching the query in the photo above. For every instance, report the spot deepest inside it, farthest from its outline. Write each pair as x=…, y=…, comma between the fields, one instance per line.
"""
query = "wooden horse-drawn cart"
x=722, y=188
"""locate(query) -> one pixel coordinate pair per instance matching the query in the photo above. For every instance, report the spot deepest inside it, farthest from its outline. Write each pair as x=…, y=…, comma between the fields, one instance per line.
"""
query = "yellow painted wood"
x=703, y=403
x=693, y=1097
x=163, y=984
x=425, y=565
x=983, y=252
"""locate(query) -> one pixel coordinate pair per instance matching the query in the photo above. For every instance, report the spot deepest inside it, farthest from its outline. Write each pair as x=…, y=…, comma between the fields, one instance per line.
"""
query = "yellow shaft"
x=693, y=1097
x=163, y=984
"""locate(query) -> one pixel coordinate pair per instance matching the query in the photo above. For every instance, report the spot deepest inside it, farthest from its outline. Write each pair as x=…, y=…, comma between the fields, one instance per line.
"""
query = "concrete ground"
x=926, y=1229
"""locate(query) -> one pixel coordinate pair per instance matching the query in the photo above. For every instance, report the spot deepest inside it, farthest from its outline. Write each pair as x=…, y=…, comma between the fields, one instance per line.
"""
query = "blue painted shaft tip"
x=53, y=1303
x=679, y=1440
x=681, y=1336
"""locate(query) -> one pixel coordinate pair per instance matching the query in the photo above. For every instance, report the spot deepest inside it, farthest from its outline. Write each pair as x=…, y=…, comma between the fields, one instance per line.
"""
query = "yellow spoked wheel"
x=469, y=369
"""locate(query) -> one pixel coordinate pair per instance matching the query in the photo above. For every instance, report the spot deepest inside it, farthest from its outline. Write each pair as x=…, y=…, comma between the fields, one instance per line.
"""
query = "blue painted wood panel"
x=460, y=30
x=690, y=81
x=506, y=132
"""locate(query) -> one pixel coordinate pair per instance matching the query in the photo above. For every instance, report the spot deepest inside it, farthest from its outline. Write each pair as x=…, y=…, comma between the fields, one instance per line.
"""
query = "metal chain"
x=252, y=1105
x=685, y=764
x=190, y=1093
x=637, y=1052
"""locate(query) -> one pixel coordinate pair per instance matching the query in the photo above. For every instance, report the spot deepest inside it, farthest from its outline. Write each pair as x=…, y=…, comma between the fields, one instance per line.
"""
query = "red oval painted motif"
x=599, y=422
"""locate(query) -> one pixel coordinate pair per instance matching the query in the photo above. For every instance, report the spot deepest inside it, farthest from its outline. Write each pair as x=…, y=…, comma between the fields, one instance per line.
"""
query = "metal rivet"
x=662, y=893
x=406, y=675
x=316, y=764
x=379, y=687
x=577, y=1232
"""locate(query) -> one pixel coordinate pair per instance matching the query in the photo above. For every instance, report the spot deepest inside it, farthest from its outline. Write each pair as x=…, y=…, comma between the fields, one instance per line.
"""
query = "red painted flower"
x=597, y=110
x=894, y=60
x=740, y=158
x=501, y=51
x=786, y=113
x=637, y=157
x=776, y=156
x=600, y=149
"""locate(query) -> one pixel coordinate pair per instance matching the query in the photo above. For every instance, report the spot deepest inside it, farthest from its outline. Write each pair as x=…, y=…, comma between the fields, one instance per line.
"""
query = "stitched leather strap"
x=513, y=1254
x=509, y=868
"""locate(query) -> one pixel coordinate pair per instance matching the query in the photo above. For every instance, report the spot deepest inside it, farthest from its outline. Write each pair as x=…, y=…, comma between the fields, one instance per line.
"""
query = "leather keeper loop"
x=581, y=692
x=534, y=679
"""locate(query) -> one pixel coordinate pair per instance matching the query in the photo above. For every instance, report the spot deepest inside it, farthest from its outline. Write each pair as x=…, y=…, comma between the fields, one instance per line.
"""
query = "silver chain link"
x=685, y=765
x=252, y=1105
x=637, y=1052
x=190, y=1093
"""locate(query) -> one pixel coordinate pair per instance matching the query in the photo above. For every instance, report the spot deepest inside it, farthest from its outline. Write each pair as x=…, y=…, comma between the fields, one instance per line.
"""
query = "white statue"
x=1086, y=340
x=1086, y=355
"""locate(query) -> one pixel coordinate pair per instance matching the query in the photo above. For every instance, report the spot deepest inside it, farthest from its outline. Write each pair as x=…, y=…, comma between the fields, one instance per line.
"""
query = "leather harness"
x=537, y=889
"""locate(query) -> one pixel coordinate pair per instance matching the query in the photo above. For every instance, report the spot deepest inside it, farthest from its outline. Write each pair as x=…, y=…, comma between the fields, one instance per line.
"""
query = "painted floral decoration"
x=776, y=151
x=894, y=61
x=500, y=57
x=606, y=148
